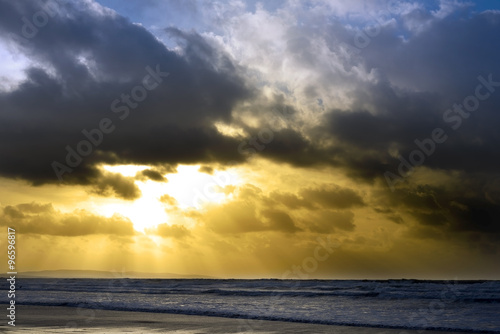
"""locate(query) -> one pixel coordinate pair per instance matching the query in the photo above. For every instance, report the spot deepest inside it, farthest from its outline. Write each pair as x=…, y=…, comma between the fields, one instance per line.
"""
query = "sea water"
x=412, y=304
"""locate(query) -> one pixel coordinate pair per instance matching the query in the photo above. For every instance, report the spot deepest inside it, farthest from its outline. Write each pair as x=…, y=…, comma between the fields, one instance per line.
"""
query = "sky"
x=245, y=139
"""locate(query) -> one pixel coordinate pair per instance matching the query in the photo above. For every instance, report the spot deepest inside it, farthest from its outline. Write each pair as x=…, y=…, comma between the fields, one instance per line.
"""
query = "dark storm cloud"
x=82, y=61
x=416, y=77
x=333, y=197
x=87, y=60
x=400, y=87
x=153, y=175
x=446, y=57
x=460, y=211
x=117, y=185
x=326, y=196
x=418, y=82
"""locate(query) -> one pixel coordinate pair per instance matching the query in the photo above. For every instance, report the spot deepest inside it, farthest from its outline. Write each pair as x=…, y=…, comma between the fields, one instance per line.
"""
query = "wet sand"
x=56, y=319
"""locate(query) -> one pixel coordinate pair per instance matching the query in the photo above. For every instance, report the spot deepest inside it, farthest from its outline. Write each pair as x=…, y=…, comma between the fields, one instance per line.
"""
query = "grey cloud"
x=153, y=175
x=324, y=196
x=460, y=212
x=330, y=221
x=172, y=231
x=83, y=61
x=291, y=201
x=109, y=184
x=333, y=196
x=43, y=219
x=280, y=221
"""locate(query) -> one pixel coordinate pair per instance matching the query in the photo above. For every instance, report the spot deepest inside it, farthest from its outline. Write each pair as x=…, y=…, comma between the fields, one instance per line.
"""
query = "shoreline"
x=65, y=319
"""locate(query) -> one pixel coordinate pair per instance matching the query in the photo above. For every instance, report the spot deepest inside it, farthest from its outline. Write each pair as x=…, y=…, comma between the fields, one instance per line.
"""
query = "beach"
x=57, y=319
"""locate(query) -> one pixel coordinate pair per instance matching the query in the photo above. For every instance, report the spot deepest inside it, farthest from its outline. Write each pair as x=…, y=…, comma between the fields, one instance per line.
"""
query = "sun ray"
x=189, y=187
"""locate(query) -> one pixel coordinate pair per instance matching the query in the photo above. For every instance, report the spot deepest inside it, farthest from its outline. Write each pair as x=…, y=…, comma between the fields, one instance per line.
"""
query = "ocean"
x=406, y=304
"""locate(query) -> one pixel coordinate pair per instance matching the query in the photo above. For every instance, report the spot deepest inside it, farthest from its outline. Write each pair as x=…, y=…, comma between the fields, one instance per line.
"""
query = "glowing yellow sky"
x=251, y=222
x=189, y=187
x=252, y=140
